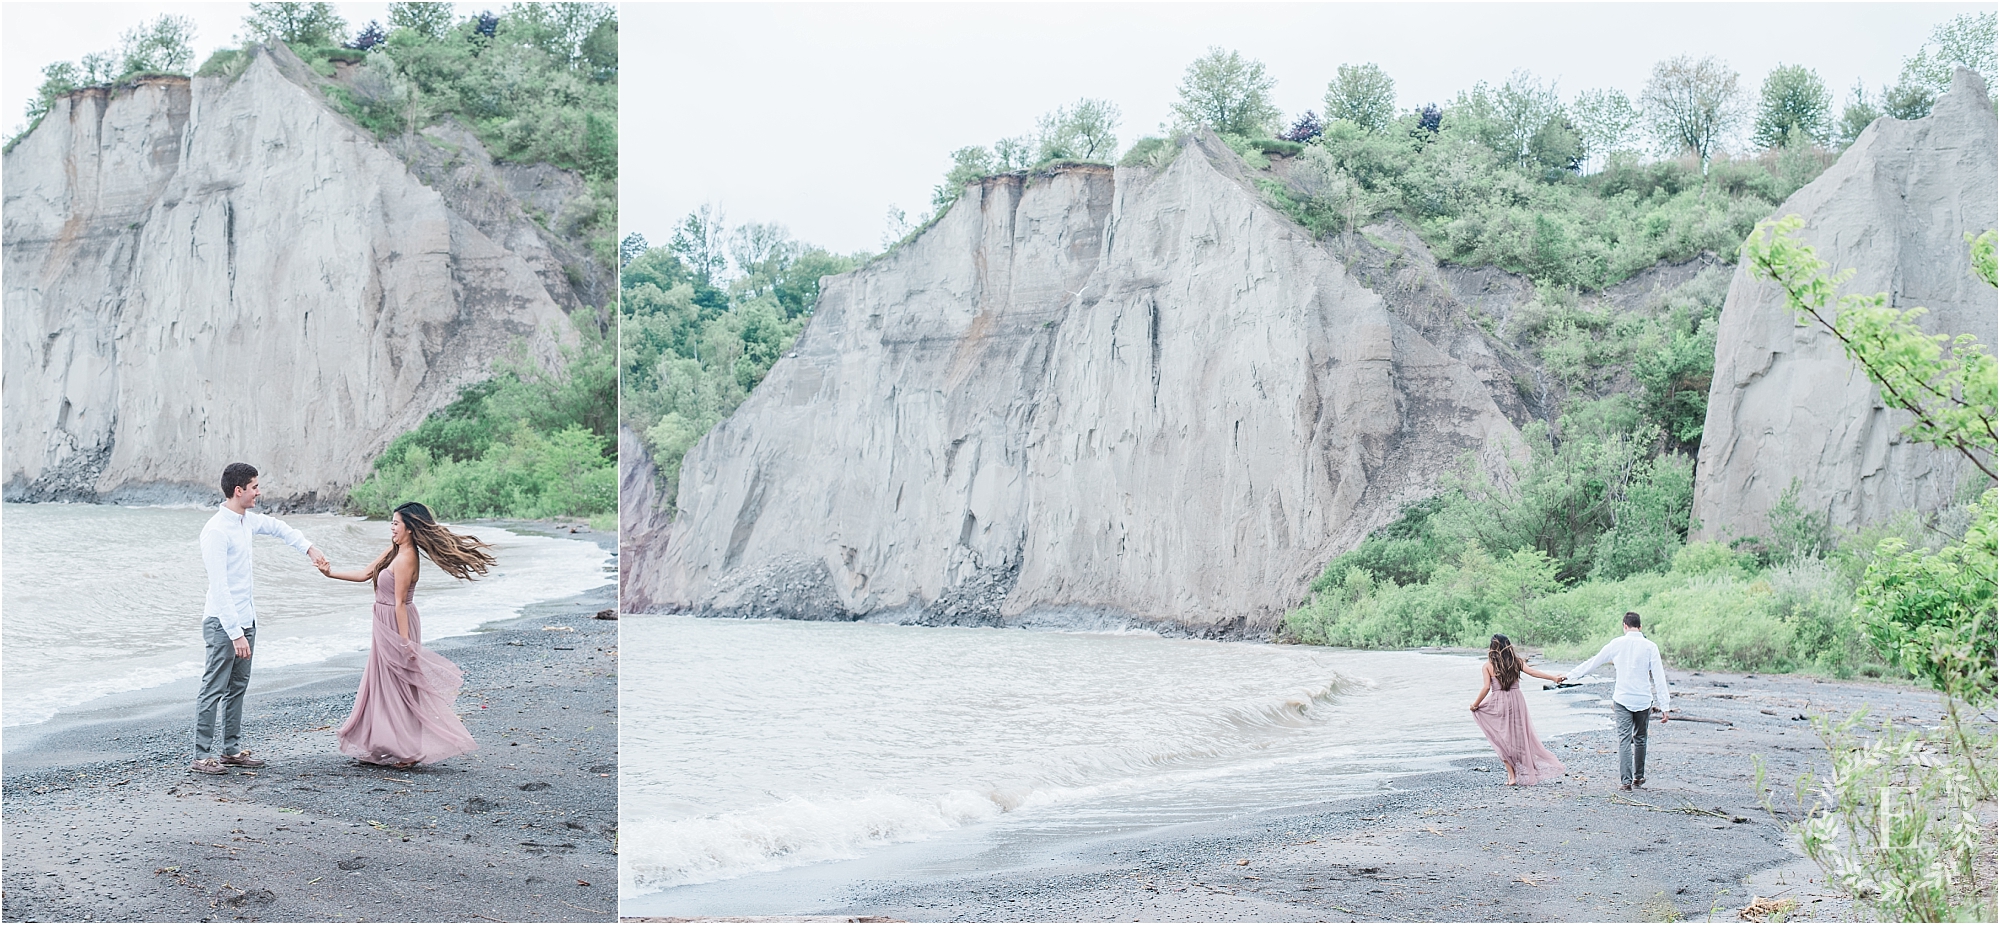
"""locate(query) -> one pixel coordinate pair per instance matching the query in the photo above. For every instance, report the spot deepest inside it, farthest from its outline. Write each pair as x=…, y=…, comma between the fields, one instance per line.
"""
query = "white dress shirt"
x=1636, y=658
x=225, y=551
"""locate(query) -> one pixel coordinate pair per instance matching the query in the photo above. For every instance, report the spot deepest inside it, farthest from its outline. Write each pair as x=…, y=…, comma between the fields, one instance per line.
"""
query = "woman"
x=1505, y=719
x=406, y=710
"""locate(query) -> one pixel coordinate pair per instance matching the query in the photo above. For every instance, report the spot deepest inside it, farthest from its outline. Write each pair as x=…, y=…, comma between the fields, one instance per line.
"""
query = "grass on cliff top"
x=1476, y=207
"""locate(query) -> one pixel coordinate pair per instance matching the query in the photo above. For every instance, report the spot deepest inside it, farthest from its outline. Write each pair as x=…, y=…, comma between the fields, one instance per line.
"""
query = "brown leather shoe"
x=1620, y=786
x=242, y=759
x=207, y=766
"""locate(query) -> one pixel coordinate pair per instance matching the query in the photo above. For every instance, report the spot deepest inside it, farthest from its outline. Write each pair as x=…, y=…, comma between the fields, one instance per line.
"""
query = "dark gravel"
x=1694, y=844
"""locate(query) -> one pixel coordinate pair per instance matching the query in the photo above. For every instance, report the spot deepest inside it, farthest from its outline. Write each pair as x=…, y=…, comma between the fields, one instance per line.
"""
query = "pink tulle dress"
x=1503, y=716
x=406, y=710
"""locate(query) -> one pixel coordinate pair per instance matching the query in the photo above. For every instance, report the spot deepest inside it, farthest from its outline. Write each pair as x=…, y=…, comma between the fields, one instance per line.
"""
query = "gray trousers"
x=224, y=678
x=1631, y=742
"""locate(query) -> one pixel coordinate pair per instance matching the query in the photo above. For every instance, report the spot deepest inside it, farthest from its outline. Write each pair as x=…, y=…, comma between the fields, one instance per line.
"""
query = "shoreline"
x=104, y=822
x=1456, y=845
x=169, y=700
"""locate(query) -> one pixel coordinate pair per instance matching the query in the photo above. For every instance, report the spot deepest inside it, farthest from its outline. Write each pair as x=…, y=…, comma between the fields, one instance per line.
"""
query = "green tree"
x=689, y=353
x=430, y=20
x=762, y=251
x=1860, y=113
x=1362, y=94
x=580, y=36
x=1649, y=518
x=1085, y=132
x=1674, y=374
x=1967, y=40
x=967, y=165
x=1575, y=489
x=1228, y=93
x=699, y=243
x=1794, y=99
x=797, y=288
x=1690, y=106
x=1557, y=147
x=1526, y=106
x=296, y=24
x=58, y=79
x=1604, y=120
x=163, y=46
x=1911, y=98
x=1934, y=610
x=1014, y=153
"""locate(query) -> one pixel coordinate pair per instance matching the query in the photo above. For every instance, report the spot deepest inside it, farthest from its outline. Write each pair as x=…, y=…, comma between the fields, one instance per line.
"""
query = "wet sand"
x=104, y=822
x=1693, y=844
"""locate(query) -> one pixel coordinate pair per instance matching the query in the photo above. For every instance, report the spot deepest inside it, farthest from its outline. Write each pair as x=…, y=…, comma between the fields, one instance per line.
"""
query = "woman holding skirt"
x=406, y=710
x=1502, y=713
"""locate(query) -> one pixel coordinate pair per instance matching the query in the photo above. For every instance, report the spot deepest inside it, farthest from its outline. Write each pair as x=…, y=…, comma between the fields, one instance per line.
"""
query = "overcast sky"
x=33, y=35
x=823, y=116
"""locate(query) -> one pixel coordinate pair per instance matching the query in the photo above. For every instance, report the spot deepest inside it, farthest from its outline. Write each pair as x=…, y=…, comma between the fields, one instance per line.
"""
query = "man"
x=229, y=622
x=1636, y=659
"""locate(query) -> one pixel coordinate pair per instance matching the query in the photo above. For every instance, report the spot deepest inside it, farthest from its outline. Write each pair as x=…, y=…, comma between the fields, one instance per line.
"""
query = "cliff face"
x=1129, y=394
x=1786, y=402
x=198, y=272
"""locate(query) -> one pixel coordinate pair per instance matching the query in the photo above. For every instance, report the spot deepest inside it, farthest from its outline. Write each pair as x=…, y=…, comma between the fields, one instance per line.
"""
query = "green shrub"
x=534, y=91
x=1248, y=149
x=1934, y=611
x=225, y=62
x=1148, y=152
x=691, y=352
x=1709, y=558
x=1476, y=207
x=525, y=443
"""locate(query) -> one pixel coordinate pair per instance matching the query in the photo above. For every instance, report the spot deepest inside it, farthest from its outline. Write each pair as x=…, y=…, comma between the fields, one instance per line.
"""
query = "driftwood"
x=1761, y=909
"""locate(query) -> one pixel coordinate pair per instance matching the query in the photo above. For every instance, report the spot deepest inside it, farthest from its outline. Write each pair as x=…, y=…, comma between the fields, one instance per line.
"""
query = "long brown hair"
x=1506, y=663
x=460, y=556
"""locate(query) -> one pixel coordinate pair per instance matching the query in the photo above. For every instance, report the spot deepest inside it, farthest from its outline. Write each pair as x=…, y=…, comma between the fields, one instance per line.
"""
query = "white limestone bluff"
x=210, y=270
x=1080, y=398
x=1786, y=403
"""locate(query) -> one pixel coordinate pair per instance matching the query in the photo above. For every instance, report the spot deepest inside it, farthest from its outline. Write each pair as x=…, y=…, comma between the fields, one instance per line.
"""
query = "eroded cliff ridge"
x=210, y=270
x=1786, y=403
x=1092, y=395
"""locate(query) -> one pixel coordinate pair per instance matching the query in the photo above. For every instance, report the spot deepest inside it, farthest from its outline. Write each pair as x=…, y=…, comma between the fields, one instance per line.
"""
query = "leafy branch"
x=1948, y=383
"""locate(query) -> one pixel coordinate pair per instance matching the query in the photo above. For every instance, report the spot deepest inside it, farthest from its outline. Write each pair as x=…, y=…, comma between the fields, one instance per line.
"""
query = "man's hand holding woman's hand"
x=318, y=558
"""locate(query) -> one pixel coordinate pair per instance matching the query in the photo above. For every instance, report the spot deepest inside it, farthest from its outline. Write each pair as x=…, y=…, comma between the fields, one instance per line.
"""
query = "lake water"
x=102, y=600
x=754, y=747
